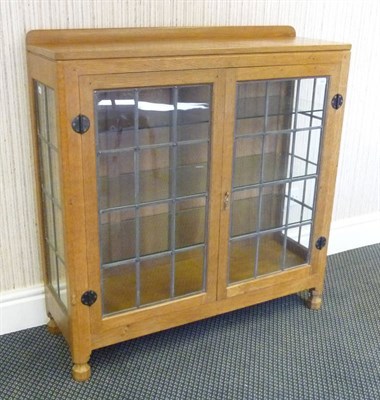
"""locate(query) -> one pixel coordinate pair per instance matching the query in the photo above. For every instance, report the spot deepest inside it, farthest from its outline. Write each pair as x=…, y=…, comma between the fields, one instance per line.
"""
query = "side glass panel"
x=153, y=148
x=50, y=188
x=277, y=138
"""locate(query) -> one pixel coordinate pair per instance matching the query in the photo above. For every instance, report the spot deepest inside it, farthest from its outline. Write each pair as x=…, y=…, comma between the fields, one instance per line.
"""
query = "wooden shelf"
x=270, y=257
x=119, y=235
x=155, y=281
x=157, y=288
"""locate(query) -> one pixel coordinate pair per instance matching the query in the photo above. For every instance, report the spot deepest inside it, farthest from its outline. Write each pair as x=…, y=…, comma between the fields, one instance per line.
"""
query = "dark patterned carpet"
x=276, y=350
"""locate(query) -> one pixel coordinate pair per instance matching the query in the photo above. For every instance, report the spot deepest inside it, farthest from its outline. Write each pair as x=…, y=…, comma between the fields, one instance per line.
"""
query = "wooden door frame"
x=323, y=206
x=103, y=326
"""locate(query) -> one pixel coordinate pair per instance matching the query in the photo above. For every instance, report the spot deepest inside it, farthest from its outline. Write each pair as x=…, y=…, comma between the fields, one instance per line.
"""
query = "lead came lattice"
x=153, y=132
x=278, y=133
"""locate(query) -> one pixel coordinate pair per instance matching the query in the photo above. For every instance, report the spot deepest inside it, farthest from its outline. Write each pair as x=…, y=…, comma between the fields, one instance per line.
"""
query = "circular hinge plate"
x=88, y=298
x=320, y=243
x=80, y=124
x=337, y=101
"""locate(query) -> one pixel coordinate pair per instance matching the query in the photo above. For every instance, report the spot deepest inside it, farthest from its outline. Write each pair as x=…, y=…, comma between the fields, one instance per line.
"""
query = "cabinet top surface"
x=82, y=44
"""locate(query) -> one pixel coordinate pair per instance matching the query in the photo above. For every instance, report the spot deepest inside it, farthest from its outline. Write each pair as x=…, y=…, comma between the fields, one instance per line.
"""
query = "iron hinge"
x=80, y=124
x=320, y=243
x=88, y=298
x=337, y=101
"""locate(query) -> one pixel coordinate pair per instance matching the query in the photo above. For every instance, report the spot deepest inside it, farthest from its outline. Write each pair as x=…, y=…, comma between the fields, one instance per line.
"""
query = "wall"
x=357, y=196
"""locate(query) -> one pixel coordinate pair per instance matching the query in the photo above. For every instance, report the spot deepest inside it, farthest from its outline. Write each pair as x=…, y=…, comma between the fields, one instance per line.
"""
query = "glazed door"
x=152, y=191
x=271, y=175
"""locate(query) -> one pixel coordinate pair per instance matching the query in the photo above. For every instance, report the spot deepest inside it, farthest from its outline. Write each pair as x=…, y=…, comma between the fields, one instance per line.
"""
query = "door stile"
x=74, y=214
x=225, y=212
x=216, y=156
x=91, y=195
x=328, y=168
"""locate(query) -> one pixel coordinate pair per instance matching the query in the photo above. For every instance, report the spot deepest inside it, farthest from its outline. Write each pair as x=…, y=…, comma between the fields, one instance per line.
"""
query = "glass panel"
x=195, y=131
x=51, y=117
x=250, y=108
x=114, y=139
x=276, y=157
x=310, y=192
x=154, y=174
x=248, y=154
x=117, y=179
x=311, y=94
x=42, y=128
x=305, y=236
x=155, y=110
x=155, y=107
x=52, y=268
x=189, y=271
x=270, y=253
x=280, y=105
x=155, y=279
x=306, y=98
x=295, y=212
x=194, y=113
x=152, y=135
x=50, y=187
x=152, y=158
x=242, y=259
x=272, y=206
x=301, y=145
x=115, y=118
x=315, y=137
x=320, y=94
x=311, y=169
x=244, y=212
x=194, y=109
x=278, y=132
x=56, y=182
x=59, y=232
x=192, y=167
x=45, y=166
x=190, y=222
x=299, y=167
x=306, y=151
x=299, y=210
x=49, y=220
x=119, y=288
x=62, y=282
x=117, y=235
x=296, y=253
x=154, y=229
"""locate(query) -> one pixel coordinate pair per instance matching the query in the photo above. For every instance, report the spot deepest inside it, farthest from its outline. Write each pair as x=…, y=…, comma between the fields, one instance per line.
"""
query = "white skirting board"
x=22, y=309
x=25, y=308
x=352, y=233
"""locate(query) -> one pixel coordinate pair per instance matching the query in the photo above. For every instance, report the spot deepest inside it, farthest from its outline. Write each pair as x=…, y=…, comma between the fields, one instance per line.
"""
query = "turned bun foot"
x=53, y=327
x=314, y=301
x=81, y=372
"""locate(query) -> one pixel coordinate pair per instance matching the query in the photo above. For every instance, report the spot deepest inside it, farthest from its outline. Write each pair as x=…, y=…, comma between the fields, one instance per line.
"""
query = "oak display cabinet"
x=182, y=173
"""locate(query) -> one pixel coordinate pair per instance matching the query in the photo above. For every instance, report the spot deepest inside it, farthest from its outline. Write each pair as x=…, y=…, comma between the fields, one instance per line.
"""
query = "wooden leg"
x=314, y=301
x=53, y=327
x=81, y=372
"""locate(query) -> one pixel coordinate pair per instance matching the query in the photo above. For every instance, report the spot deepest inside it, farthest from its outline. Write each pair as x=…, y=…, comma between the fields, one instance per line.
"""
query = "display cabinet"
x=181, y=173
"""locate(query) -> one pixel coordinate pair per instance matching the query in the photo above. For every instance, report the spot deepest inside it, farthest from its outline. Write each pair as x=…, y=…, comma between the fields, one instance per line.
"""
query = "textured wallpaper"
x=356, y=22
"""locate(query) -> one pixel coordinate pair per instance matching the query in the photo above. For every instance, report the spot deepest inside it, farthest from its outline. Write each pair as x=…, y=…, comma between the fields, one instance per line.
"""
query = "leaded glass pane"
x=153, y=148
x=278, y=132
x=49, y=153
